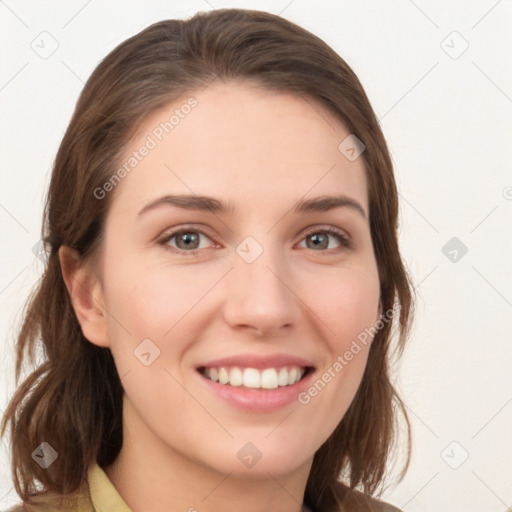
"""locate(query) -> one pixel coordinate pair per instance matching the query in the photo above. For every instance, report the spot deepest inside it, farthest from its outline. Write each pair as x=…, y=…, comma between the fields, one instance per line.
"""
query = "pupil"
x=316, y=238
x=187, y=237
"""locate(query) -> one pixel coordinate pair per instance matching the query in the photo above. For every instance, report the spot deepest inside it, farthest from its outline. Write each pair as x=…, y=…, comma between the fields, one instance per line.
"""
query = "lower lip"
x=258, y=400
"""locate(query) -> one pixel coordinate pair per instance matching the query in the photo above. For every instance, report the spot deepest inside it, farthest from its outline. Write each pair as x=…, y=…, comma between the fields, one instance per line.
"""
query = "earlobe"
x=86, y=294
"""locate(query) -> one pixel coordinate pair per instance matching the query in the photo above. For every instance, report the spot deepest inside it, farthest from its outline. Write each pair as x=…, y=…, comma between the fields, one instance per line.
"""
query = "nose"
x=260, y=296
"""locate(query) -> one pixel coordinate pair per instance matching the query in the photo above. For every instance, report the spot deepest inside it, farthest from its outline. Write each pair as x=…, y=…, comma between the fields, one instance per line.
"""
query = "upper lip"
x=258, y=361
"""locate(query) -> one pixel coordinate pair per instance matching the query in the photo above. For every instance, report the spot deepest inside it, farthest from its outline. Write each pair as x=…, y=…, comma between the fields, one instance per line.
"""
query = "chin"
x=256, y=460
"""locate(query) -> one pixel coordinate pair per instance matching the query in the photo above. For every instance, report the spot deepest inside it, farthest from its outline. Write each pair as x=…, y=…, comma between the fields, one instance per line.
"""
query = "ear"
x=86, y=294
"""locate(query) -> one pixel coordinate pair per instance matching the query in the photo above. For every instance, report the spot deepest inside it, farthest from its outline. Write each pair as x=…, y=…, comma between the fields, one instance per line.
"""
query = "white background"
x=448, y=124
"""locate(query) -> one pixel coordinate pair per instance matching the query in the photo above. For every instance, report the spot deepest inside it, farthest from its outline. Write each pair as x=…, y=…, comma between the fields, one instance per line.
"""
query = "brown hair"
x=73, y=399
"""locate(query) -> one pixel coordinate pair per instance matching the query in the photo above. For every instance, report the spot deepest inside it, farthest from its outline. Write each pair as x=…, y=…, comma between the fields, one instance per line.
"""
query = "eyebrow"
x=206, y=203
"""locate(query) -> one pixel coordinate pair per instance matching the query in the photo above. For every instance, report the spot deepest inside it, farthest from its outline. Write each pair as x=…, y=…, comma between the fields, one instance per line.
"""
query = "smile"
x=263, y=378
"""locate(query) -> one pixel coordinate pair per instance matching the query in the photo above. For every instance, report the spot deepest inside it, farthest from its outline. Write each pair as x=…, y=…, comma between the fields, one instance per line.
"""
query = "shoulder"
x=370, y=504
x=356, y=501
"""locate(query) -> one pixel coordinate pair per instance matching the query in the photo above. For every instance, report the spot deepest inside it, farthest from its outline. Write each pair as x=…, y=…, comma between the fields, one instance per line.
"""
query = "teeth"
x=282, y=379
x=223, y=376
x=292, y=375
x=252, y=378
x=268, y=378
x=235, y=377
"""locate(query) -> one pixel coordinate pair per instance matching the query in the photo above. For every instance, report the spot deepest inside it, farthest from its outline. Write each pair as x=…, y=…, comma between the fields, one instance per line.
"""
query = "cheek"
x=152, y=302
x=348, y=310
x=167, y=306
x=347, y=305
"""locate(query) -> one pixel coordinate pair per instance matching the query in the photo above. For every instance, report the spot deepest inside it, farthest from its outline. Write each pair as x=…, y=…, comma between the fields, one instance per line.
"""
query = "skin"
x=262, y=151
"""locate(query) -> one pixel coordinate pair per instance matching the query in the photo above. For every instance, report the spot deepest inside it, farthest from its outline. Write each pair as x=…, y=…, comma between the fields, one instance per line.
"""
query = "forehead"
x=242, y=143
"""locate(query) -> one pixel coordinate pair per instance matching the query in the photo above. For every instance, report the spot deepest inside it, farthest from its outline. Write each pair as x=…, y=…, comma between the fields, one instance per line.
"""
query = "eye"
x=319, y=239
x=186, y=239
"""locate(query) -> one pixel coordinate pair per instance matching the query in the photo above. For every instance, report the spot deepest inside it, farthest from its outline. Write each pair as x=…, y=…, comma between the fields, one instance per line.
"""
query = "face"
x=254, y=295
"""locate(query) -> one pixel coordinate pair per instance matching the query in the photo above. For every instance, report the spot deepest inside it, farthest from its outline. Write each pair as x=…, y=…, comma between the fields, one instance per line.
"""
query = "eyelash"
x=344, y=240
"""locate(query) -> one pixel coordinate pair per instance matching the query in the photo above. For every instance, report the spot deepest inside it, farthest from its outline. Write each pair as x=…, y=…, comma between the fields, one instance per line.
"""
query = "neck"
x=150, y=475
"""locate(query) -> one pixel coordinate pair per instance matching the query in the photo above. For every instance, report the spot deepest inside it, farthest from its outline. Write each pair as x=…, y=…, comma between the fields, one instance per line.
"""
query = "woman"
x=222, y=283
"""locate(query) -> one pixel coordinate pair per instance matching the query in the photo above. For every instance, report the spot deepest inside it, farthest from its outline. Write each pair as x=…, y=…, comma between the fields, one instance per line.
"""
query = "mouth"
x=256, y=378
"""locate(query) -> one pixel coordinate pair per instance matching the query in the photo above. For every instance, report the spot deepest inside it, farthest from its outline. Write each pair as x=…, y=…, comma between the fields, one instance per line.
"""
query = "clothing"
x=104, y=495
